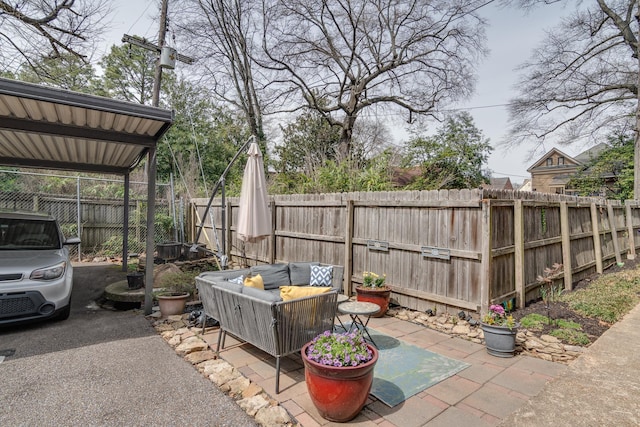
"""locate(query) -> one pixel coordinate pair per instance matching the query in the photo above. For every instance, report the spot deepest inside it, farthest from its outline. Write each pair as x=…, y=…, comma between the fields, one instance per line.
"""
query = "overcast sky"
x=511, y=35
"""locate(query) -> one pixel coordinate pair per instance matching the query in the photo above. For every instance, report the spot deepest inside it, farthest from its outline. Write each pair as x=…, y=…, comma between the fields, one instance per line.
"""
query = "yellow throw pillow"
x=287, y=293
x=254, y=282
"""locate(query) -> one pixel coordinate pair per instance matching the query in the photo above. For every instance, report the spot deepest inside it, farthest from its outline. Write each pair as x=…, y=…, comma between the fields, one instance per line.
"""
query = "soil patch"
x=593, y=328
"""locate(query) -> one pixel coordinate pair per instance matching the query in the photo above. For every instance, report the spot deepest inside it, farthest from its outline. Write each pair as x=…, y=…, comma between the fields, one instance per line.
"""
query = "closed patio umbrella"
x=254, y=218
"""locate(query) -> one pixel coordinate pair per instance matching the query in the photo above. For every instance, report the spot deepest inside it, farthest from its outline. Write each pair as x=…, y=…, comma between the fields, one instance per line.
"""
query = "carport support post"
x=151, y=211
x=125, y=225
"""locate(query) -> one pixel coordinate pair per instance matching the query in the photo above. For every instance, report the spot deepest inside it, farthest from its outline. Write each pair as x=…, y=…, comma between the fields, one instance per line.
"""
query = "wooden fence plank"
x=518, y=233
x=485, y=277
x=566, y=245
x=348, y=251
x=596, y=238
x=614, y=233
x=630, y=231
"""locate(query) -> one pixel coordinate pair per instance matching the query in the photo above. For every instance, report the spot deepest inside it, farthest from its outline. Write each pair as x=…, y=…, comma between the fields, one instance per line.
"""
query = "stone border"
x=544, y=347
x=188, y=343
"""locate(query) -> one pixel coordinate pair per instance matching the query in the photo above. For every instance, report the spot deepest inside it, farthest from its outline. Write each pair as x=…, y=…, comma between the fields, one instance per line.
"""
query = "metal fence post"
x=78, y=219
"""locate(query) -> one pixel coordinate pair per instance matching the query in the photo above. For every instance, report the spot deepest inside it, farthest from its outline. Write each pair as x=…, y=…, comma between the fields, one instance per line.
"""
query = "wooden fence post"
x=614, y=232
x=565, y=232
x=348, y=248
x=272, y=254
x=631, y=236
x=485, y=279
x=597, y=249
x=518, y=242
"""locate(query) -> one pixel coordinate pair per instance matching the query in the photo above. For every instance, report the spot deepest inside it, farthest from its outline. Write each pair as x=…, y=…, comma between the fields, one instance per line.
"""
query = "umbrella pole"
x=216, y=188
x=243, y=255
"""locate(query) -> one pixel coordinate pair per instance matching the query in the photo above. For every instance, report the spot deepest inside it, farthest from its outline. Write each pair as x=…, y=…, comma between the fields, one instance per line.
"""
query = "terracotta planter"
x=500, y=340
x=378, y=296
x=339, y=393
x=172, y=303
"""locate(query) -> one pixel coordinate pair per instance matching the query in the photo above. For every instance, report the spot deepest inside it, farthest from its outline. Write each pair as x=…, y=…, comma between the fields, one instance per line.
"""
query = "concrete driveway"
x=103, y=367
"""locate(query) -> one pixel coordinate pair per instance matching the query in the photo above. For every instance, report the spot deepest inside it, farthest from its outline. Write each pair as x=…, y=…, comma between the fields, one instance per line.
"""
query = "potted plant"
x=175, y=290
x=135, y=280
x=500, y=331
x=373, y=289
x=339, y=373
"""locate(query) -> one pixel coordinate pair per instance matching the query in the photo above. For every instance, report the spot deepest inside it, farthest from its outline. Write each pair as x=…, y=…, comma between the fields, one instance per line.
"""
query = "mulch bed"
x=559, y=310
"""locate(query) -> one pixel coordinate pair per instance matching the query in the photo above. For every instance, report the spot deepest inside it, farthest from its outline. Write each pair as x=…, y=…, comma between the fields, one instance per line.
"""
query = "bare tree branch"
x=410, y=55
x=582, y=83
x=220, y=34
x=34, y=29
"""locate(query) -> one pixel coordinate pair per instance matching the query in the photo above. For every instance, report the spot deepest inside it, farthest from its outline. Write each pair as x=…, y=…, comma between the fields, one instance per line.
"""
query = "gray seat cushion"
x=234, y=287
x=268, y=296
x=224, y=274
x=273, y=275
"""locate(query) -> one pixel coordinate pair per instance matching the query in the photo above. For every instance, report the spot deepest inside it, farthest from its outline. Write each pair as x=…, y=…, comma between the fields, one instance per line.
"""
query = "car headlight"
x=49, y=273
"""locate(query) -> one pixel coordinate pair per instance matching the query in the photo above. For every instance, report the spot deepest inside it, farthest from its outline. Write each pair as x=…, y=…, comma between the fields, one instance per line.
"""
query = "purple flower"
x=339, y=349
x=498, y=309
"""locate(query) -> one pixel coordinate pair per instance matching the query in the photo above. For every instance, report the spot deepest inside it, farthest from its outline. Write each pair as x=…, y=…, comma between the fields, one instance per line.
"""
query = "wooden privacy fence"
x=462, y=249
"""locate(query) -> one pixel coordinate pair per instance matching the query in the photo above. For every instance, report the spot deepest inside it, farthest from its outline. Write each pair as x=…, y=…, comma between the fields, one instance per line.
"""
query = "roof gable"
x=569, y=161
x=593, y=152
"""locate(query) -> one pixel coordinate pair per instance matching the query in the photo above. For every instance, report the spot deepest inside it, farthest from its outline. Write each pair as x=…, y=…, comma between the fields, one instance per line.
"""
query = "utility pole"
x=145, y=44
x=161, y=36
x=151, y=165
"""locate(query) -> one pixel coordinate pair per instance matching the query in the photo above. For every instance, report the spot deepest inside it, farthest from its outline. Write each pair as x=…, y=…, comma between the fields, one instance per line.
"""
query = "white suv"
x=36, y=277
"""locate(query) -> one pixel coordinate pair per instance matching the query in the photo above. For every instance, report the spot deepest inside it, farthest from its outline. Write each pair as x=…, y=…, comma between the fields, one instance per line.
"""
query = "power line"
x=139, y=17
x=510, y=174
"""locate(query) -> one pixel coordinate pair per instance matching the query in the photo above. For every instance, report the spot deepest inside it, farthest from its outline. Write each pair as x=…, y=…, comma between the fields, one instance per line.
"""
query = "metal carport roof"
x=51, y=128
x=57, y=129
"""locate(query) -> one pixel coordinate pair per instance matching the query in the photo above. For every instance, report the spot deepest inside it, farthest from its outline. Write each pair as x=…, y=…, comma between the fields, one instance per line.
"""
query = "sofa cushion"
x=300, y=272
x=261, y=294
x=287, y=293
x=254, y=282
x=320, y=276
x=234, y=287
x=223, y=274
x=273, y=275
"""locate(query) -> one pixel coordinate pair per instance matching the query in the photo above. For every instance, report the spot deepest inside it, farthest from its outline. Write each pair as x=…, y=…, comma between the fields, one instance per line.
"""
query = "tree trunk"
x=344, y=150
x=636, y=153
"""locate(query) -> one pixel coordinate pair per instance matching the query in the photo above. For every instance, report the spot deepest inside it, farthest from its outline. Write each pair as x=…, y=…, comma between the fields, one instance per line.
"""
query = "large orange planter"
x=378, y=296
x=339, y=393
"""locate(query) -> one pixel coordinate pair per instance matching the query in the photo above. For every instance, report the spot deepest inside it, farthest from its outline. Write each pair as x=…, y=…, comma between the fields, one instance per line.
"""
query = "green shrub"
x=534, y=321
x=571, y=336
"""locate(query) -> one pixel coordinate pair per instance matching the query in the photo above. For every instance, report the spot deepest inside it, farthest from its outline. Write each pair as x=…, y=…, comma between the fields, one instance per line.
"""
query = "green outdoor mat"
x=404, y=370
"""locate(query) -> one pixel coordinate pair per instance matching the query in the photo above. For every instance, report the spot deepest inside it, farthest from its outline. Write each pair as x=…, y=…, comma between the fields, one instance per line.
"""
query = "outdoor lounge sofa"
x=261, y=317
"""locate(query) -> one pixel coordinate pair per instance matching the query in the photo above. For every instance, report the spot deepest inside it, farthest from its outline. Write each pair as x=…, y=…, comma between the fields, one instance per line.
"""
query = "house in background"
x=498, y=184
x=552, y=172
x=526, y=185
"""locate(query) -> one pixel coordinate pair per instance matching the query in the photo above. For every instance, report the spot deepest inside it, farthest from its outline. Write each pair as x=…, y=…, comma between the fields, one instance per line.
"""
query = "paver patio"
x=489, y=390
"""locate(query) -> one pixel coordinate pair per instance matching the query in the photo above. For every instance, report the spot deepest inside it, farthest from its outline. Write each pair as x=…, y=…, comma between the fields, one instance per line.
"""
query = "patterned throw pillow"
x=237, y=280
x=320, y=276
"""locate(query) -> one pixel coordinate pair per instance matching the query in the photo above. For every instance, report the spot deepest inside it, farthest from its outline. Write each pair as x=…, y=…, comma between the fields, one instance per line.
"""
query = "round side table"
x=355, y=310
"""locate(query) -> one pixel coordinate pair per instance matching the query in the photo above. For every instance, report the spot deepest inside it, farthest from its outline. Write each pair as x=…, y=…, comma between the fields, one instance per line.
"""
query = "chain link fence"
x=98, y=221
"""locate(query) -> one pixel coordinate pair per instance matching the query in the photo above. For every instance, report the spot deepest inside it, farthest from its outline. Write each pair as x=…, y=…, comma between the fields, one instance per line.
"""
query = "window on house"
x=559, y=190
x=561, y=160
x=549, y=161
